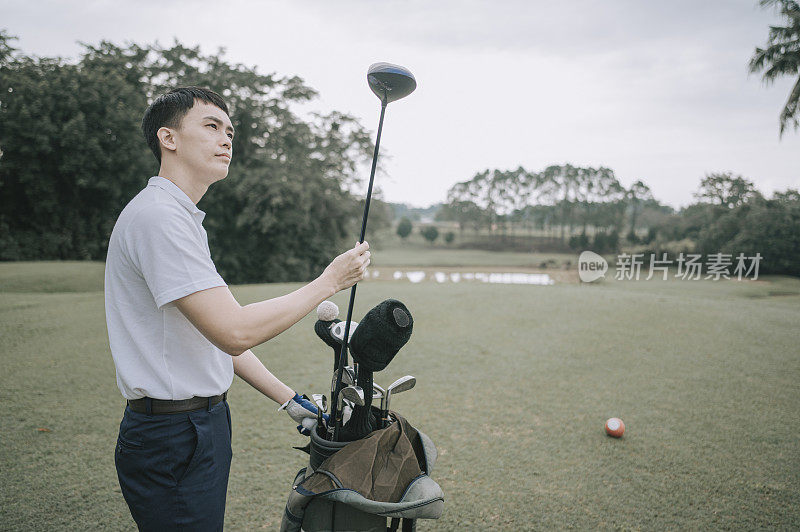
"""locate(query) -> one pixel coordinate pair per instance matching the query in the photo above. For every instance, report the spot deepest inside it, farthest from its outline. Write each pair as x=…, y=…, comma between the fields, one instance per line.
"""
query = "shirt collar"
x=175, y=191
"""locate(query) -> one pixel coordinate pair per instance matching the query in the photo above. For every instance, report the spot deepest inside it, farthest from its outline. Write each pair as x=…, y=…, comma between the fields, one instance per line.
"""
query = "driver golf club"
x=400, y=385
x=389, y=83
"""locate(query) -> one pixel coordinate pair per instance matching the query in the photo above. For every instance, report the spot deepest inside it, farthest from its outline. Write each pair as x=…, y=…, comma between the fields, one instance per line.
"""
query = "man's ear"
x=167, y=139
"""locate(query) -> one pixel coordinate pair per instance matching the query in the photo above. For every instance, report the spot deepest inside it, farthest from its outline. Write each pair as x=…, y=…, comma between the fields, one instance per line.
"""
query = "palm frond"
x=791, y=111
x=784, y=34
x=783, y=5
x=784, y=66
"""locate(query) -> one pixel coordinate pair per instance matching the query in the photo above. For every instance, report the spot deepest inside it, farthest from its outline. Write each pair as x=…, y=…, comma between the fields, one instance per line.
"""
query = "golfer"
x=177, y=334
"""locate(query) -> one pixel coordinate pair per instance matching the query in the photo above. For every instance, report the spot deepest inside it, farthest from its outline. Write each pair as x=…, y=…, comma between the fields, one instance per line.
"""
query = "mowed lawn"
x=514, y=384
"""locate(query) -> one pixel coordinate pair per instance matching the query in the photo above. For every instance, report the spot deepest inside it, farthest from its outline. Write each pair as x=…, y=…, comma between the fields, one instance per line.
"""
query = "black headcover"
x=323, y=330
x=380, y=335
x=363, y=419
x=362, y=422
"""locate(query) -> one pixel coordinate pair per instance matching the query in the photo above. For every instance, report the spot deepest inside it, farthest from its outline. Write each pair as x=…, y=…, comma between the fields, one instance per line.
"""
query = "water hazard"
x=418, y=276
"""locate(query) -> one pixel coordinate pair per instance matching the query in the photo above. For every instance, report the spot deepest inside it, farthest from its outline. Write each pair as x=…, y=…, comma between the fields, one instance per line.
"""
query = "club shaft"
x=372, y=174
x=343, y=353
x=385, y=410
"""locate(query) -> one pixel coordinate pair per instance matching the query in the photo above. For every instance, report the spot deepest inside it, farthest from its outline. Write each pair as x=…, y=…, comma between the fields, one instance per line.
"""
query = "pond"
x=418, y=276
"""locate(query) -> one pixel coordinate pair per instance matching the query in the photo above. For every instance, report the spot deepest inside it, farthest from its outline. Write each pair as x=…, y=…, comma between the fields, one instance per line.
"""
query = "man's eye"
x=213, y=125
x=230, y=136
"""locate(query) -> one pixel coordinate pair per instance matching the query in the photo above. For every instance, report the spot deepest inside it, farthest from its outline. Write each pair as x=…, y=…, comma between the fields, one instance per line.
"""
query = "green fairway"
x=514, y=385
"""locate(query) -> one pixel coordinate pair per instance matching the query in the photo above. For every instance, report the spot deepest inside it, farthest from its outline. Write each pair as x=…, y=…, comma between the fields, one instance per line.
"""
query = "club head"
x=321, y=401
x=401, y=385
x=390, y=82
x=337, y=330
x=378, y=392
x=354, y=394
x=348, y=377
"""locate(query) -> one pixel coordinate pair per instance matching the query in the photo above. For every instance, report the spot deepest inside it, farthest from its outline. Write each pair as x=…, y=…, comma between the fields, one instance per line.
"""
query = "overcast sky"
x=657, y=91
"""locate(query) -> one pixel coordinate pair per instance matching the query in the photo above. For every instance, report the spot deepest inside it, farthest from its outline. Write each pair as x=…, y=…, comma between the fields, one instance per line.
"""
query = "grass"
x=514, y=384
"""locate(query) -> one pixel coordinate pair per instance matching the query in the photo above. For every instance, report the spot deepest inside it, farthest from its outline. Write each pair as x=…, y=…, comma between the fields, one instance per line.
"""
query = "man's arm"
x=249, y=368
x=235, y=329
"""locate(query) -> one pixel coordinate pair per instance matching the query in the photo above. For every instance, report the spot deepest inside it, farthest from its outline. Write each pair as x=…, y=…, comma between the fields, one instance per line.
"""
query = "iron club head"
x=400, y=385
x=378, y=392
x=354, y=394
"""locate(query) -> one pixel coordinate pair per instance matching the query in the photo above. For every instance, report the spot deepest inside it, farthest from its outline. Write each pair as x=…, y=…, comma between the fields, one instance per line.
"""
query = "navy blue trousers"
x=173, y=468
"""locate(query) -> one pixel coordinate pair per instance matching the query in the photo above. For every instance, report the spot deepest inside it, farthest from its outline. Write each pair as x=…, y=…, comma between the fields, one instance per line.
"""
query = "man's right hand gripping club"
x=349, y=267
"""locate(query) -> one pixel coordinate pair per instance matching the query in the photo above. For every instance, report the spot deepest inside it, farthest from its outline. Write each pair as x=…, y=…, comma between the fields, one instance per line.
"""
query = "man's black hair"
x=169, y=109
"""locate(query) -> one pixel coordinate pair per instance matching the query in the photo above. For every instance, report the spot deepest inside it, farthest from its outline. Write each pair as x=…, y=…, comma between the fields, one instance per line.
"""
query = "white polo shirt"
x=158, y=252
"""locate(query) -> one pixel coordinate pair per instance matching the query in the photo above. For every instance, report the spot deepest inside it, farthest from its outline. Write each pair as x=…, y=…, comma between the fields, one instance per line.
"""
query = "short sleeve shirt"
x=158, y=252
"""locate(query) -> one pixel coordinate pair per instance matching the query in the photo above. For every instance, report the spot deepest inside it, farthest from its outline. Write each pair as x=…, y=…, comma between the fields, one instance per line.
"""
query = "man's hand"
x=301, y=409
x=348, y=268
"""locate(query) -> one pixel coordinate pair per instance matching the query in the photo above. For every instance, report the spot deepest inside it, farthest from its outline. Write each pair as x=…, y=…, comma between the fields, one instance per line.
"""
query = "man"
x=176, y=333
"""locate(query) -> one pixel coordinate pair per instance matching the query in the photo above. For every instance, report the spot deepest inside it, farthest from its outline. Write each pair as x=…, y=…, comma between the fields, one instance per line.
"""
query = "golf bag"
x=357, y=486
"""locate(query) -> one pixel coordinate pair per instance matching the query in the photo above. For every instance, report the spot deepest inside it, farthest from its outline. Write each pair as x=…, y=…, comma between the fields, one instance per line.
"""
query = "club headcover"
x=380, y=335
x=365, y=381
x=323, y=330
x=361, y=424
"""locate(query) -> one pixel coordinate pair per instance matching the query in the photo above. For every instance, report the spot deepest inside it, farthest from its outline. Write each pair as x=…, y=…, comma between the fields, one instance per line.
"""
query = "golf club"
x=354, y=394
x=322, y=406
x=400, y=385
x=322, y=328
x=348, y=377
x=337, y=331
x=378, y=392
x=389, y=83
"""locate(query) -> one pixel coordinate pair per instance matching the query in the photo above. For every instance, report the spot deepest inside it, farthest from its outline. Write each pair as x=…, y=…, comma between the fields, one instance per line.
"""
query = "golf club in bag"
x=389, y=83
x=383, y=331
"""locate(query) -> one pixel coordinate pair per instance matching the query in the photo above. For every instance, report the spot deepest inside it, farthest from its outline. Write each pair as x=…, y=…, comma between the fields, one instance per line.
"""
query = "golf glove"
x=301, y=409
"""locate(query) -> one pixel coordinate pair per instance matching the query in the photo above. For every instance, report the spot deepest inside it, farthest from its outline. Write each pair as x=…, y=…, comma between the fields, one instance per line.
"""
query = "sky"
x=658, y=91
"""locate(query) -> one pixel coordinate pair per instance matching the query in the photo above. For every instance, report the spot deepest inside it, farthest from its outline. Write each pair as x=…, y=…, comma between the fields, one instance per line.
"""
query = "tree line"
x=588, y=208
x=557, y=201
x=72, y=155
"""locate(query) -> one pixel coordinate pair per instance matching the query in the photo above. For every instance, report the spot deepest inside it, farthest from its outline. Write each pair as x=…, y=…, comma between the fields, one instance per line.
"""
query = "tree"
x=404, y=228
x=790, y=196
x=725, y=189
x=637, y=195
x=73, y=153
x=781, y=57
x=463, y=212
x=430, y=233
x=449, y=237
x=283, y=212
x=768, y=227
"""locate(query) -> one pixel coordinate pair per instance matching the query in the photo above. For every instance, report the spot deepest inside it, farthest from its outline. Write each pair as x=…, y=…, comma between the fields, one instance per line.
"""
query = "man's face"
x=203, y=142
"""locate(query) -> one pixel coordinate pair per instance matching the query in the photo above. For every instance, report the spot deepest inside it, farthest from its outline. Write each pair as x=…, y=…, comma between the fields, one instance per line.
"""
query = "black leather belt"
x=165, y=406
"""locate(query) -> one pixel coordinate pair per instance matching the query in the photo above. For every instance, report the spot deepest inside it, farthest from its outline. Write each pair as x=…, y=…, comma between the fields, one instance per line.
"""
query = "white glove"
x=300, y=408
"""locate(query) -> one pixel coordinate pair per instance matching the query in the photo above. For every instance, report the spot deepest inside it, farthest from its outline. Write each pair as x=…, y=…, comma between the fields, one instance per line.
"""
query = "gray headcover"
x=381, y=334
